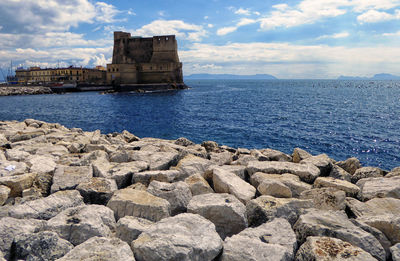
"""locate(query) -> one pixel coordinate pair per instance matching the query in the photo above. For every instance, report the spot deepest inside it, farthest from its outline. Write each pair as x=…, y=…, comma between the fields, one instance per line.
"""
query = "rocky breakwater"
x=24, y=90
x=67, y=194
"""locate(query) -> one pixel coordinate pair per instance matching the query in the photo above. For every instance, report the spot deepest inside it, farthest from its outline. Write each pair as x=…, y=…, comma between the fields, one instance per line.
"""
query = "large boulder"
x=122, y=173
x=16, y=154
x=185, y=237
x=12, y=227
x=78, y=224
x=299, y=155
x=322, y=161
x=12, y=168
x=69, y=177
x=198, y=185
x=146, y=177
x=178, y=194
x=276, y=155
x=41, y=164
x=227, y=182
x=339, y=173
x=265, y=208
x=191, y=164
x=348, y=187
x=350, y=165
x=156, y=160
x=366, y=172
x=224, y=210
x=97, y=190
x=328, y=248
x=44, y=208
x=100, y=248
x=18, y=183
x=274, y=240
x=379, y=188
x=274, y=188
x=4, y=193
x=44, y=245
x=336, y=224
x=138, y=203
x=395, y=251
x=306, y=172
x=326, y=198
x=129, y=228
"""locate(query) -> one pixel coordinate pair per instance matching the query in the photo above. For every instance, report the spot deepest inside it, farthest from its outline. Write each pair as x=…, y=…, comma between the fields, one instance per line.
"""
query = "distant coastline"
x=207, y=76
x=380, y=76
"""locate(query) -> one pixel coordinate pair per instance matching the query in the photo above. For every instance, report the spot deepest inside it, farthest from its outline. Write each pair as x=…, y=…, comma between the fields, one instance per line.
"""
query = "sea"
x=342, y=118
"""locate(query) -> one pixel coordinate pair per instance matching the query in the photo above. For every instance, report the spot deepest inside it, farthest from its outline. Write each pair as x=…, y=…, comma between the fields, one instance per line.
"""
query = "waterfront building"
x=138, y=60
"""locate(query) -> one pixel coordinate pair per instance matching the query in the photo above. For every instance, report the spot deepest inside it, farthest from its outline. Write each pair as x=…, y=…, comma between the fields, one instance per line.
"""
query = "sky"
x=290, y=39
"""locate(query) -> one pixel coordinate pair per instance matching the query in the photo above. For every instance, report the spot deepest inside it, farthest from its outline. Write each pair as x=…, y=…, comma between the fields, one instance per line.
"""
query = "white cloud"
x=242, y=11
x=335, y=36
x=257, y=13
x=226, y=30
x=205, y=17
x=246, y=21
x=179, y=28
x=363, y=5
x=162, y=13
x=210, y=25
x=106, y=12
x=373, y=16
x=392, y=34
x=1, y=27
x=280, y=7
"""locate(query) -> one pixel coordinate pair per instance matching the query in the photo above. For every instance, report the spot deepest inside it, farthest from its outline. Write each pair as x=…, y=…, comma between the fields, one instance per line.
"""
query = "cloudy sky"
x=285, y=38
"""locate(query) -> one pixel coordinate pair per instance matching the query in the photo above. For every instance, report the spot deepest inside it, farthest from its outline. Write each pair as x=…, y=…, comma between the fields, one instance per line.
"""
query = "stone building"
x=37, y=75
x=138, y=60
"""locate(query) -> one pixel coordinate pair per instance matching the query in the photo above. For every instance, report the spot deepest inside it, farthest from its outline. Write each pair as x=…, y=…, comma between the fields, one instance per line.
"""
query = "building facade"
x=138, y=60
x=36, y=75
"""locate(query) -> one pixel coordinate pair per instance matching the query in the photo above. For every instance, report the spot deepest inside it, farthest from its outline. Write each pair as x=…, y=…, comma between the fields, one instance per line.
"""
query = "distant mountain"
x=380, y=76
x=206, y=76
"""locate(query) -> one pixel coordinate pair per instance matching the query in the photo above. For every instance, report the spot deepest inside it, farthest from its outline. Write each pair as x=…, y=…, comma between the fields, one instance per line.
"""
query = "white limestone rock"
x=366, y=172
x=16, y=154
x=122, y=173
x=129, y=228
x=4, y=193
x=227, y=182
x=322, y=161
x=185, y=237
x=226, y=212
x=265, y=208
x=328, y=248
x=12, y=168
x=336, y=224
x=44, y=208
x=145, y=177
x=100, y=248
x=379, y=188
x=138, y=203
x=44, y=245
x=191, y=164
x=178, y=194
x=272, y=241
x=299, y=155
x=198, y=185
x=395, y=251
x=350, y=189
x=238, y=170
x=275, y=155
x=350, y=165
x=69, y=177
x=18, y=183
x=78, y=224
x=339, y=173
x=326, y=198
x=221, y=158
x=97, y=190
x=11, y=227
x=274, y=188
x=306, y=172
x=41, y=164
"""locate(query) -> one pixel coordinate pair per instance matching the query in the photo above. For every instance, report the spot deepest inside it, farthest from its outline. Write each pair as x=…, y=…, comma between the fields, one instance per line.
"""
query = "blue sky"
x=288, y=39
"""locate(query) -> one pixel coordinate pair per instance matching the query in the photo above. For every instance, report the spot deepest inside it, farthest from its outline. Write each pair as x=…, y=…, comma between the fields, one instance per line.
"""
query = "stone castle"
x=138, y=60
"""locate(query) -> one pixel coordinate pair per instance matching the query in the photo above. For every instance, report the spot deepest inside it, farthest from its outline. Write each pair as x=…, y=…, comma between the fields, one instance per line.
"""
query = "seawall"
x=24, y=90
x=68, y=194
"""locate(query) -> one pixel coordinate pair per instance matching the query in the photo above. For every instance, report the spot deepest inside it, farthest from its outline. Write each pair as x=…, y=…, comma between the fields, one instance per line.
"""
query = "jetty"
x=70, y=194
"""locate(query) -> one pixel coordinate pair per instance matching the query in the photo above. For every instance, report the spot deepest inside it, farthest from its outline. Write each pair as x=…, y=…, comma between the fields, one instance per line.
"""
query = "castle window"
x=166, y=38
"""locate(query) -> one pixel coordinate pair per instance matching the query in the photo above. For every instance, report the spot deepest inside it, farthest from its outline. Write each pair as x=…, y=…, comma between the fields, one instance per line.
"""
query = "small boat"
x=59, y=87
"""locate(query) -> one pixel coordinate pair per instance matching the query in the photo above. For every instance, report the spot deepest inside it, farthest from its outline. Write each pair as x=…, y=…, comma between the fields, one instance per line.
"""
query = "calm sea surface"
x=340, y=118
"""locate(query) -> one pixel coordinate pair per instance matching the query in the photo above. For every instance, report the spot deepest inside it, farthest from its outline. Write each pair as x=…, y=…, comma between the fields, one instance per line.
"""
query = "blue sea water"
x=339, y=118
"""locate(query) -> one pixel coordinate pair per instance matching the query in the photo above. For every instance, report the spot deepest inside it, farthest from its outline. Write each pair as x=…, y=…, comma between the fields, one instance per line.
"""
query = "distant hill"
x=380, y=76
x=206, y=76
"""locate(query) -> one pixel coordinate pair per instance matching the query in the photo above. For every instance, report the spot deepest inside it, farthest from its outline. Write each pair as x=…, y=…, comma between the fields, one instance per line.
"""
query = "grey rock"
x=326, y=198
x=228, y=182
x=238, y=170
x=16, y=154
x=156, y=160
x=350, y=165
x=336, y=224
x=129, y=228
x=275, y=155
x=18, y=183
x=183, y=142
x=178, y=194
x=226, y=212
x=265, y=208
x=379, y=188
x=350, y=189
x=4, y=193
x=100, y=248
x=44, y=245
x=191, y=164
x=274, y=240
x=299, y=155
x=274, y=188
x=210, y=146
x=322, y=161
x=366, y=172
x=44, y=208
x=97, y=190
x=185, y=237
x=69, y=177
x=122, y=173
x=19, y=168
x=198, y=185
x=306, y=172
x=11, y=227
x=78, y=224
x=146, y=177
x=339, y=173
x=221, y=158
x=328, y=248
x=138, y=203
x=41, y=164
x=243, y=160
x=395, y=251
